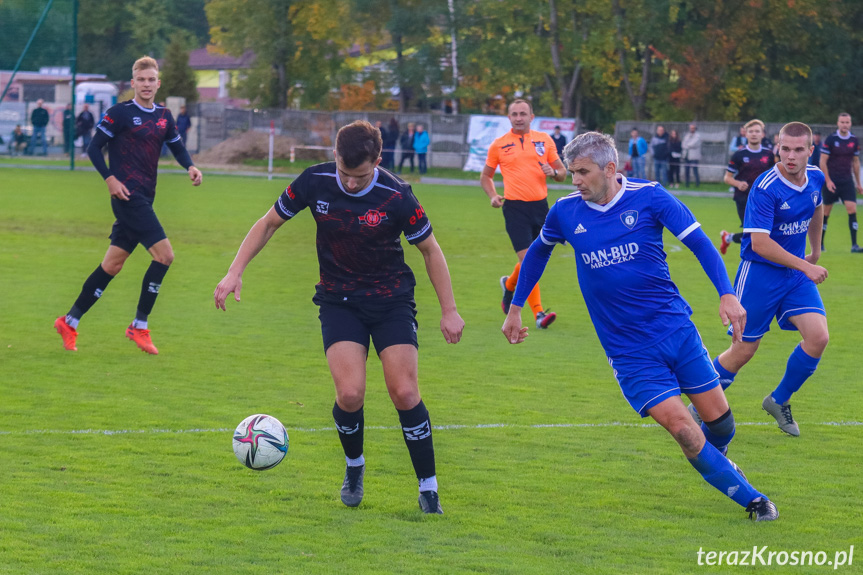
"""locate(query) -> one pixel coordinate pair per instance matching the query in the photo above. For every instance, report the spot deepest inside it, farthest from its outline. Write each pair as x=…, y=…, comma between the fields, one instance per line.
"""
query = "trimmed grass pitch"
x=116, y=462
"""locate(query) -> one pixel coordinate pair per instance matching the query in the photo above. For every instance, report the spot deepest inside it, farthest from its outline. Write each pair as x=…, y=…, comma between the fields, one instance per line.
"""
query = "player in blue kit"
x=366, y=292
x=776, y=277
x=134, y=132
x=615, y=226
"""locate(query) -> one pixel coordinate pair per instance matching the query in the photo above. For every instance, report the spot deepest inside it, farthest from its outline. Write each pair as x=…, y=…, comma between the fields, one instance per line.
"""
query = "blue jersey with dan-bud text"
x=619, y=254
x=783, y=210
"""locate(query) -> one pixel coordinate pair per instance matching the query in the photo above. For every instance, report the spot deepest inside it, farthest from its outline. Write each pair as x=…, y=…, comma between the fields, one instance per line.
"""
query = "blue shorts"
x=768, y=291
x=676, y=364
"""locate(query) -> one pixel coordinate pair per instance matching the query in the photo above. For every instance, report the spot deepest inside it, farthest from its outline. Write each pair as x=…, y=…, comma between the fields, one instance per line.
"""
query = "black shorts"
x=845, y=192
x=741, y=208
x=386, y=325
x=136, y=223
x=524, y=221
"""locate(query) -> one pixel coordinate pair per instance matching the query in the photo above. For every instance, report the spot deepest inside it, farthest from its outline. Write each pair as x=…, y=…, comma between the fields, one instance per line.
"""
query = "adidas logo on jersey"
x=784, y=206
x=579, y=230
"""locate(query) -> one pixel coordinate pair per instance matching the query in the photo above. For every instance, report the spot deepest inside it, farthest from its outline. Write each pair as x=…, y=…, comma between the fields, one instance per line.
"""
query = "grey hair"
x=598, y=147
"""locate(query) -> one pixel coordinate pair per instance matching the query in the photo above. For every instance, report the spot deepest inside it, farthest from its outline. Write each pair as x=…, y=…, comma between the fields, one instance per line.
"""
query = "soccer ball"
x=260, y=442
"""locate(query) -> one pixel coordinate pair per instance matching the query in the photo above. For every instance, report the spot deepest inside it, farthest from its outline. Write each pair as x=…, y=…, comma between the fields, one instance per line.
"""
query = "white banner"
x=483, y=130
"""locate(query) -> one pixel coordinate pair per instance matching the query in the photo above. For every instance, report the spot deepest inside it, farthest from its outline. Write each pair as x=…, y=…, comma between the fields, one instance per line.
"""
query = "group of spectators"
x=414, y=141
x=669, y=152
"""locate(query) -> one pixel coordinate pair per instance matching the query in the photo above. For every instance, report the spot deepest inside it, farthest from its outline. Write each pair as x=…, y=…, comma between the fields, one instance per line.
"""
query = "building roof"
x=203, y=59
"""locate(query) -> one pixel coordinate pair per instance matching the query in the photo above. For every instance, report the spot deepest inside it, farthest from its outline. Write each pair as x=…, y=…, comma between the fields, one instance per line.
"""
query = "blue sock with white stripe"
x=717, y=471
x=726, y=378
x=800, y=366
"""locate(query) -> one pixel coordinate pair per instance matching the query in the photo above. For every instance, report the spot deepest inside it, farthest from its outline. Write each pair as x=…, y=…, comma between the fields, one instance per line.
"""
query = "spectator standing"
x=421, y=147
x=39, y=118
x=68, y=129
x=559, y=140
x=739, y=141
x=675, y=149
x=661, y=154
x=692, y=154
x=390, y=139
x=637, y=149
x=407, y=143
x=84, y=126
x=815, y=158
x=184, y=122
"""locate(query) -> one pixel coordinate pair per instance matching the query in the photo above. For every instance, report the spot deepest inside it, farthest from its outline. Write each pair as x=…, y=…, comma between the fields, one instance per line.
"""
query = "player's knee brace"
x=723, y=426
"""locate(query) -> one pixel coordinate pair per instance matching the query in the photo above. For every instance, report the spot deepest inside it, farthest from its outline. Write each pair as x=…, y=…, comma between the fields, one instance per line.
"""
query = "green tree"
x=178, y=78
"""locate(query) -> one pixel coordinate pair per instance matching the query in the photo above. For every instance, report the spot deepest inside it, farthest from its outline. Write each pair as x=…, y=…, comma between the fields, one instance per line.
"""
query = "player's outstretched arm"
x=451, y=323
x=767, y=248
x=181, y=154
x=255, y=241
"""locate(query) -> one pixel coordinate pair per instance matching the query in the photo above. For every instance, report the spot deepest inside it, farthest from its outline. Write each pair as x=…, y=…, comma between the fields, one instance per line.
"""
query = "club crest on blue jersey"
x=815, y=198
x=629, y=218
x=540, y=148
x=322, y=207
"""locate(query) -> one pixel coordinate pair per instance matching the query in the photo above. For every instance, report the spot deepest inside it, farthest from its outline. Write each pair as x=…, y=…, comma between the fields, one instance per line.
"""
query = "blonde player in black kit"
x=134, y=132
x=366, y=292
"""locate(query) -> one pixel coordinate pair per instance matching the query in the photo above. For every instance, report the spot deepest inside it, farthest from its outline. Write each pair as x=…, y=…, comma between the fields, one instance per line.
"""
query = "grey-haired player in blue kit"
x=615, y=226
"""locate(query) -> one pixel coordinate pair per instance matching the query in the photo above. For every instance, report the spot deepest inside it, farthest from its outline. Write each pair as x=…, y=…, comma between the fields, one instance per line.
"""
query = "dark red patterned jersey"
x=359, y=235
x=841, y=153
x=137, y=135
x=746, y=165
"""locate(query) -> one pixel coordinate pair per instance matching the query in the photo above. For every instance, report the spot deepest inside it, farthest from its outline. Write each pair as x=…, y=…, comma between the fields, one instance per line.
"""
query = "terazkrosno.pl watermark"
x=765, y=556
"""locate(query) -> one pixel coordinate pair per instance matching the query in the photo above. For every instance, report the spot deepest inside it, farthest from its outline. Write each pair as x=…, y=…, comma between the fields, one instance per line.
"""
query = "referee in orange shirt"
x=526, y=158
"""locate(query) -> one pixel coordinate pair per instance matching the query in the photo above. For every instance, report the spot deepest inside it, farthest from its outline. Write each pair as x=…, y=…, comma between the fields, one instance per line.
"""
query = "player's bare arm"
x=739, y=184
x=512, y=328
x=117, y=189
x=768, y=249
x=814, y=233
x=255, y=241
x=855, y=172
x=451, y=323
x=827, y=181
x=486, y=180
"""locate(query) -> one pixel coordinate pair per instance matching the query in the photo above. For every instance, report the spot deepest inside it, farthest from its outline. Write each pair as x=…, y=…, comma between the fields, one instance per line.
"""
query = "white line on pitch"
x=437, y=427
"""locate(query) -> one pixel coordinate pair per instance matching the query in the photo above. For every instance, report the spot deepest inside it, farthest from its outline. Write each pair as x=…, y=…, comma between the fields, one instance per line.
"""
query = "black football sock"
x=350, y=427
x=737, y=237
x=90, y=292
x=417, y=431
x=150, y=289
x=852, y=225
x=824, y=230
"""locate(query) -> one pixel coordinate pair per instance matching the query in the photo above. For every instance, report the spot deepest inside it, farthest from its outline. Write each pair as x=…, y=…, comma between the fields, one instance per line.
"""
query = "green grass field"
x=116, y=462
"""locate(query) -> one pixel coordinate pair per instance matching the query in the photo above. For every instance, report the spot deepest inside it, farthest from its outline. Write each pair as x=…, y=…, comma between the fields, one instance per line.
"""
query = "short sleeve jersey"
x=783, y=210
x=840, y=154
x=519, y=158
x=746, y=165
x=620, y=260
x=358, y=238
x=137, y=135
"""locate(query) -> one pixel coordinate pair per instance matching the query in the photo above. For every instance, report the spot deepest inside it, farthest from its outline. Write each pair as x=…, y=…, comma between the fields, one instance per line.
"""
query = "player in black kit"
x=366, y=292
x=840, y=162
x=134, y=132
x=745, y=166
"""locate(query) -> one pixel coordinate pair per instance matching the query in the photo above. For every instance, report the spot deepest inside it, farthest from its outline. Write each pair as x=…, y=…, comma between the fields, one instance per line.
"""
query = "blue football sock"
x=726, y=377
x=800, y=366
x=717, y=471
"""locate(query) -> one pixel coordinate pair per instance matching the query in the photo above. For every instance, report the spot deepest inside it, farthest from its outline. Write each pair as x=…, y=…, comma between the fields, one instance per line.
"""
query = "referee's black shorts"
x=524, y=221
x=385, y=325
x=136, y=223
x=845, y=192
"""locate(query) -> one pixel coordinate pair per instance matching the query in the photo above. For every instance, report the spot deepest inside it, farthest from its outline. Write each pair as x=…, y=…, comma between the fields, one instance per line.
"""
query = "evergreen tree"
x=178, y=78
